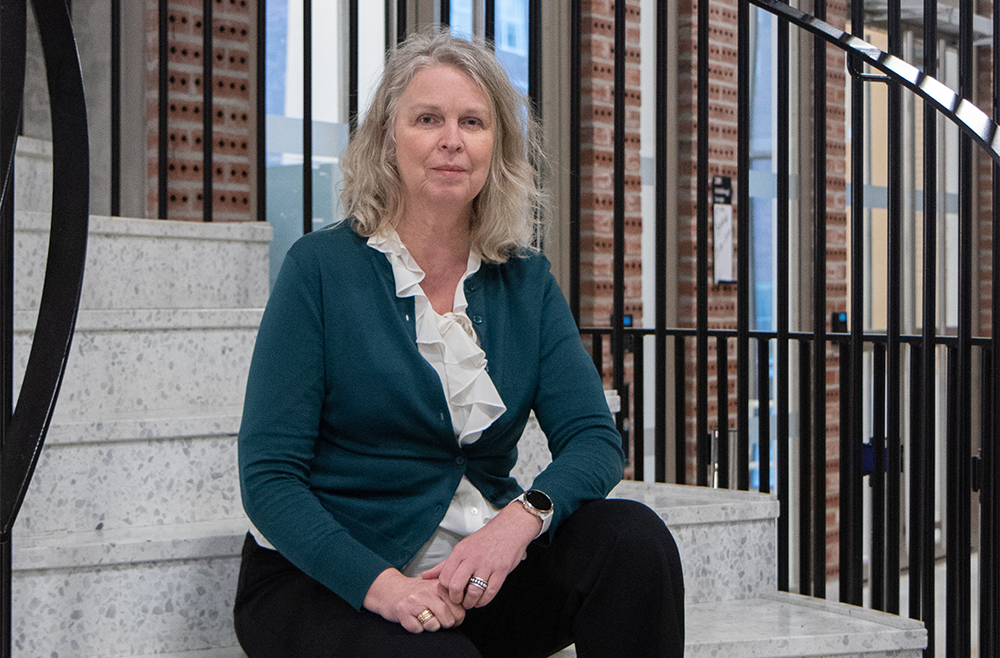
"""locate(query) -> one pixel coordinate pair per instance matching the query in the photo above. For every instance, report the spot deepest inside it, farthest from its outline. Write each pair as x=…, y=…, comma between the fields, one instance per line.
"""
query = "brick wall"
x=597, y=165
x=233, y=123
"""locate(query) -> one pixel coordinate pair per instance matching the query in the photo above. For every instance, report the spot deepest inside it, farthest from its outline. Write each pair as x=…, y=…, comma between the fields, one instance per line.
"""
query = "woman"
x=397, y=362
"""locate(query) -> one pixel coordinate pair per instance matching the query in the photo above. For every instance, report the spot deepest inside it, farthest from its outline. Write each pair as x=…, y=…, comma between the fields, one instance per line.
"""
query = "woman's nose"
x=451, y=137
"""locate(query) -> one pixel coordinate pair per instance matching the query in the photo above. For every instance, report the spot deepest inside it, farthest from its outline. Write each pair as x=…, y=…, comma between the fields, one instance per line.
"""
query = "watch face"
x=538, y=500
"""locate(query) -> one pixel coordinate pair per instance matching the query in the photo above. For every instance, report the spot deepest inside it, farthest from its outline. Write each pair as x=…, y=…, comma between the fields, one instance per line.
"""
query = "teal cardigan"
x=347, y=455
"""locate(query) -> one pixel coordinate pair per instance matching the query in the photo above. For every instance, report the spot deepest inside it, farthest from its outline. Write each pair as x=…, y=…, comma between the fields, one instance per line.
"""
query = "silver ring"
x=479, y=582
x=425, y=617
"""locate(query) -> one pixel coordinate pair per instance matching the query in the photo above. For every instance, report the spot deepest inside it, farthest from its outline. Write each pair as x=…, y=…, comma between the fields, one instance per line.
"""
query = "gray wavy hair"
x=507, y=212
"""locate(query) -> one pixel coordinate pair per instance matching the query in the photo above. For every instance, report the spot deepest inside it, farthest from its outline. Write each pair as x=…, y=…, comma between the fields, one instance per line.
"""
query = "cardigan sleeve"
x=572, y=411
x=278, y=435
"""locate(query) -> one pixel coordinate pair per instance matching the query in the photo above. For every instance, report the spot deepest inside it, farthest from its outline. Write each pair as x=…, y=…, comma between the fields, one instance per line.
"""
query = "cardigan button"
x=460, y=460
x=476, y=319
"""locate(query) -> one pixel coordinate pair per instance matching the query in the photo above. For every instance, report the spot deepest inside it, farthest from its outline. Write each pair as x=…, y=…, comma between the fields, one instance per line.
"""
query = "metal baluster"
x=116, y=107
x=208, y=114
x=819, y=311
x=680, y=411
x=850, y=540
x=162, y=100
x=261, y=147
x=743, y=250
x=781, y=373
x=877, y=479
x=618, y=304
x=764, y=414
x=805, y=466
x=722, y=399
x=637, y=428
x=701, y=193
x=959, y=579
x=352, y=66
x=307, y=112
x=662, y=130
x=894, y=321
x=922, y=602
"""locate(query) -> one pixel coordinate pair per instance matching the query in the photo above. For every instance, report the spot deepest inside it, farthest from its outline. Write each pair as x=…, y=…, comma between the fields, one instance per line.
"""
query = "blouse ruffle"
x=449, y=343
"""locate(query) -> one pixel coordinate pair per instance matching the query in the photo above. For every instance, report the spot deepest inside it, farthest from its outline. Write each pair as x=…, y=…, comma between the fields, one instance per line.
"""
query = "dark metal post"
x=307, y=127
x=208, y=111
x=701, y=193
x=764, y=414
x=638, y=426
x=805, y=466
x=162, y=109
x=819, y=312
x=575, y=73
x=660, y=430
x=400, y=20
x=352, y=65
x=490, y=18
x=894, y=321
x=781, y=370
x=261, y=147
x=618, y=312
x=722, y=398
x=743, y=251
x=680, y=411
x=850, y=540
x=959, y=526
x=116, y=107
x=922, y=602
x=535, y=57
x=877, y=480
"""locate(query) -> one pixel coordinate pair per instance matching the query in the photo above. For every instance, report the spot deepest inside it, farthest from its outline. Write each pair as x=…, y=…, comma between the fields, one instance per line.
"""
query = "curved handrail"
x=66, y=258
x=960, y=111
x=12, y=61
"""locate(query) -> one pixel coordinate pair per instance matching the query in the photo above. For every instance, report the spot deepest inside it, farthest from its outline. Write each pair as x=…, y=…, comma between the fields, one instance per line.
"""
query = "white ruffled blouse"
x=450, y=344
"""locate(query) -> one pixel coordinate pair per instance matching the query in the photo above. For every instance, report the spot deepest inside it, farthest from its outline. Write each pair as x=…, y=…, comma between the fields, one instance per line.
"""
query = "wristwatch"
x=538, y=503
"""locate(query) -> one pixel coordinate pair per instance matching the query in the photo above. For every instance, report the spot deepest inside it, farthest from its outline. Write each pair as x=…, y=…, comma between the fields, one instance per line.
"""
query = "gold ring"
x=425, y=617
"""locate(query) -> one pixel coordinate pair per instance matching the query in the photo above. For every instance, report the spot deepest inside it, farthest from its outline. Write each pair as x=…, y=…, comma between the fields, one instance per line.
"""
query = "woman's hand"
x=401, y=599
x=488, y=554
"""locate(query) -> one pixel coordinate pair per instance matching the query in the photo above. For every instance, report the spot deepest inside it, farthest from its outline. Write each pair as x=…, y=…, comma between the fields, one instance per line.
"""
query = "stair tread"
x=197, y=539
x=782, y=624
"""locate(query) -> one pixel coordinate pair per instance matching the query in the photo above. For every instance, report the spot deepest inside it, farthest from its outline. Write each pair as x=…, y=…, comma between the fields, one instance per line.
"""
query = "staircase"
x=128, y=541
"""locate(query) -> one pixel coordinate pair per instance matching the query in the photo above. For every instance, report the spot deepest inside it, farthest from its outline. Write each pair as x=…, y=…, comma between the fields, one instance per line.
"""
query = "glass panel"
x=285, y=105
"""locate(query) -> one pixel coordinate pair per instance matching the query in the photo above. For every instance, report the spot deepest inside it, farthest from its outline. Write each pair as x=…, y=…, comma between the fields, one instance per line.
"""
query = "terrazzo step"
x=127, y=592
x=129, y=474
x=146, y=264
x=134, y=364
x=781, y=625
x=727, y=539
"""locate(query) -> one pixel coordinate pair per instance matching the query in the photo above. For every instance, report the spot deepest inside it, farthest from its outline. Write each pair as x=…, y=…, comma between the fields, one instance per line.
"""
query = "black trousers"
x=610, y=581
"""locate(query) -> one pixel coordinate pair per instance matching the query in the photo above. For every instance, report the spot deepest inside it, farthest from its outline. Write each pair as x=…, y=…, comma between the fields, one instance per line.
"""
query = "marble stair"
x=128, y=541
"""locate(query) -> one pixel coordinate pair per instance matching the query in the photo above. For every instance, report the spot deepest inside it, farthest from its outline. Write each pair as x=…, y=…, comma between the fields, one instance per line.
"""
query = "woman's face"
x=444, y=140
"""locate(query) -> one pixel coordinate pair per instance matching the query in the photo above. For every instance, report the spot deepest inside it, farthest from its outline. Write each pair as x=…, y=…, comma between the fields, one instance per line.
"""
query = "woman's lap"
x=597, y=583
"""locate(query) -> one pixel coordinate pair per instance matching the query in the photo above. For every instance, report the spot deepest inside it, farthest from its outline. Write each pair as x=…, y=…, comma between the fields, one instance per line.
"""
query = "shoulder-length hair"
x=507, y=211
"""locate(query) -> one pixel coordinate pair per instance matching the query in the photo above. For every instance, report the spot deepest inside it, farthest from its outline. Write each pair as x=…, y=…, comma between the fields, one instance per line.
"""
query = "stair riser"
x=82, y=487
x=149, y=372
x=125, y=610
x=141, y=263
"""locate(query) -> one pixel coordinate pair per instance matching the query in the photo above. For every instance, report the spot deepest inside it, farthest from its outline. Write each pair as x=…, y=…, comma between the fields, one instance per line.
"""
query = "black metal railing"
x=22, y=432
x=887, y=372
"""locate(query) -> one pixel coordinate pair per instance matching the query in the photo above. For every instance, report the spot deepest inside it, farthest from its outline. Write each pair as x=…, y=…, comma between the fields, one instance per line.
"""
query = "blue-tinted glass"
x=511, y=37
x=460, y=19
x=276, y=62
